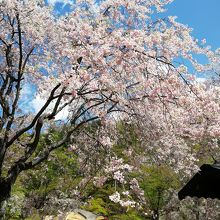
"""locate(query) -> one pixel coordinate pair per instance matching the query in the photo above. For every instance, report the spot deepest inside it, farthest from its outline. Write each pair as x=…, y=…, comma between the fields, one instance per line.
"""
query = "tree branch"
x=23, y=130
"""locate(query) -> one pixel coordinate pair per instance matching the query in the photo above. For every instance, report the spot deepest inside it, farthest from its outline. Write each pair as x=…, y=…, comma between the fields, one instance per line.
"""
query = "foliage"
x=97, y=206
x=156, y=181
x=56, y=188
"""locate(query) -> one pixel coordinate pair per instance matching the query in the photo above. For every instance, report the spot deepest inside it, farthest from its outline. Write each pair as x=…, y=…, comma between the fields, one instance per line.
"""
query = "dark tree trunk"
x=5, y=191
x=155, y=215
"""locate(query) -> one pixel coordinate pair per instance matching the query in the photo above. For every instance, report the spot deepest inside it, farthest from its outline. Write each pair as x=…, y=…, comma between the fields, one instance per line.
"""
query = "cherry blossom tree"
x=106, y=60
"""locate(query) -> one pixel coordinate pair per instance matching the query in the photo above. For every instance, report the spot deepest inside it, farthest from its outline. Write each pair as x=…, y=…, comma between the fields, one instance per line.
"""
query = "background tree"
x=104, y=61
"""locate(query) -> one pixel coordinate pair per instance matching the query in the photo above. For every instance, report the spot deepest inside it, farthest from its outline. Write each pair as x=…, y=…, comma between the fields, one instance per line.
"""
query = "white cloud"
x=201, y=79
x=51, y=2
x=27, y=94
x=62, y=115
x=38, y=102
x=31, y=103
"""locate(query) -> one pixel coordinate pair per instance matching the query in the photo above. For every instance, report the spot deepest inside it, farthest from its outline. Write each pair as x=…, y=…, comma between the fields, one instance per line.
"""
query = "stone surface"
x=74, y=216
x=77, y=214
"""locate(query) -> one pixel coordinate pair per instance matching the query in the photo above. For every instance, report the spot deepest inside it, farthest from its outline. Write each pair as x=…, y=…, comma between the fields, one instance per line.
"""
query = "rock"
x=74, y=216
x=77, y=214
x=86, y=214
x=100, y=218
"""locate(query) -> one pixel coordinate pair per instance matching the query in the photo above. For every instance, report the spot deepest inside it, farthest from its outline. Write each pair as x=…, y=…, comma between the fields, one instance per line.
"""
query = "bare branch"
x=23, y=130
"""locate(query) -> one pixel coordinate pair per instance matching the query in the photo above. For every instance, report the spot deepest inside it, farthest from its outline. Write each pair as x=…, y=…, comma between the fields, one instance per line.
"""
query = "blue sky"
x=201, y=15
